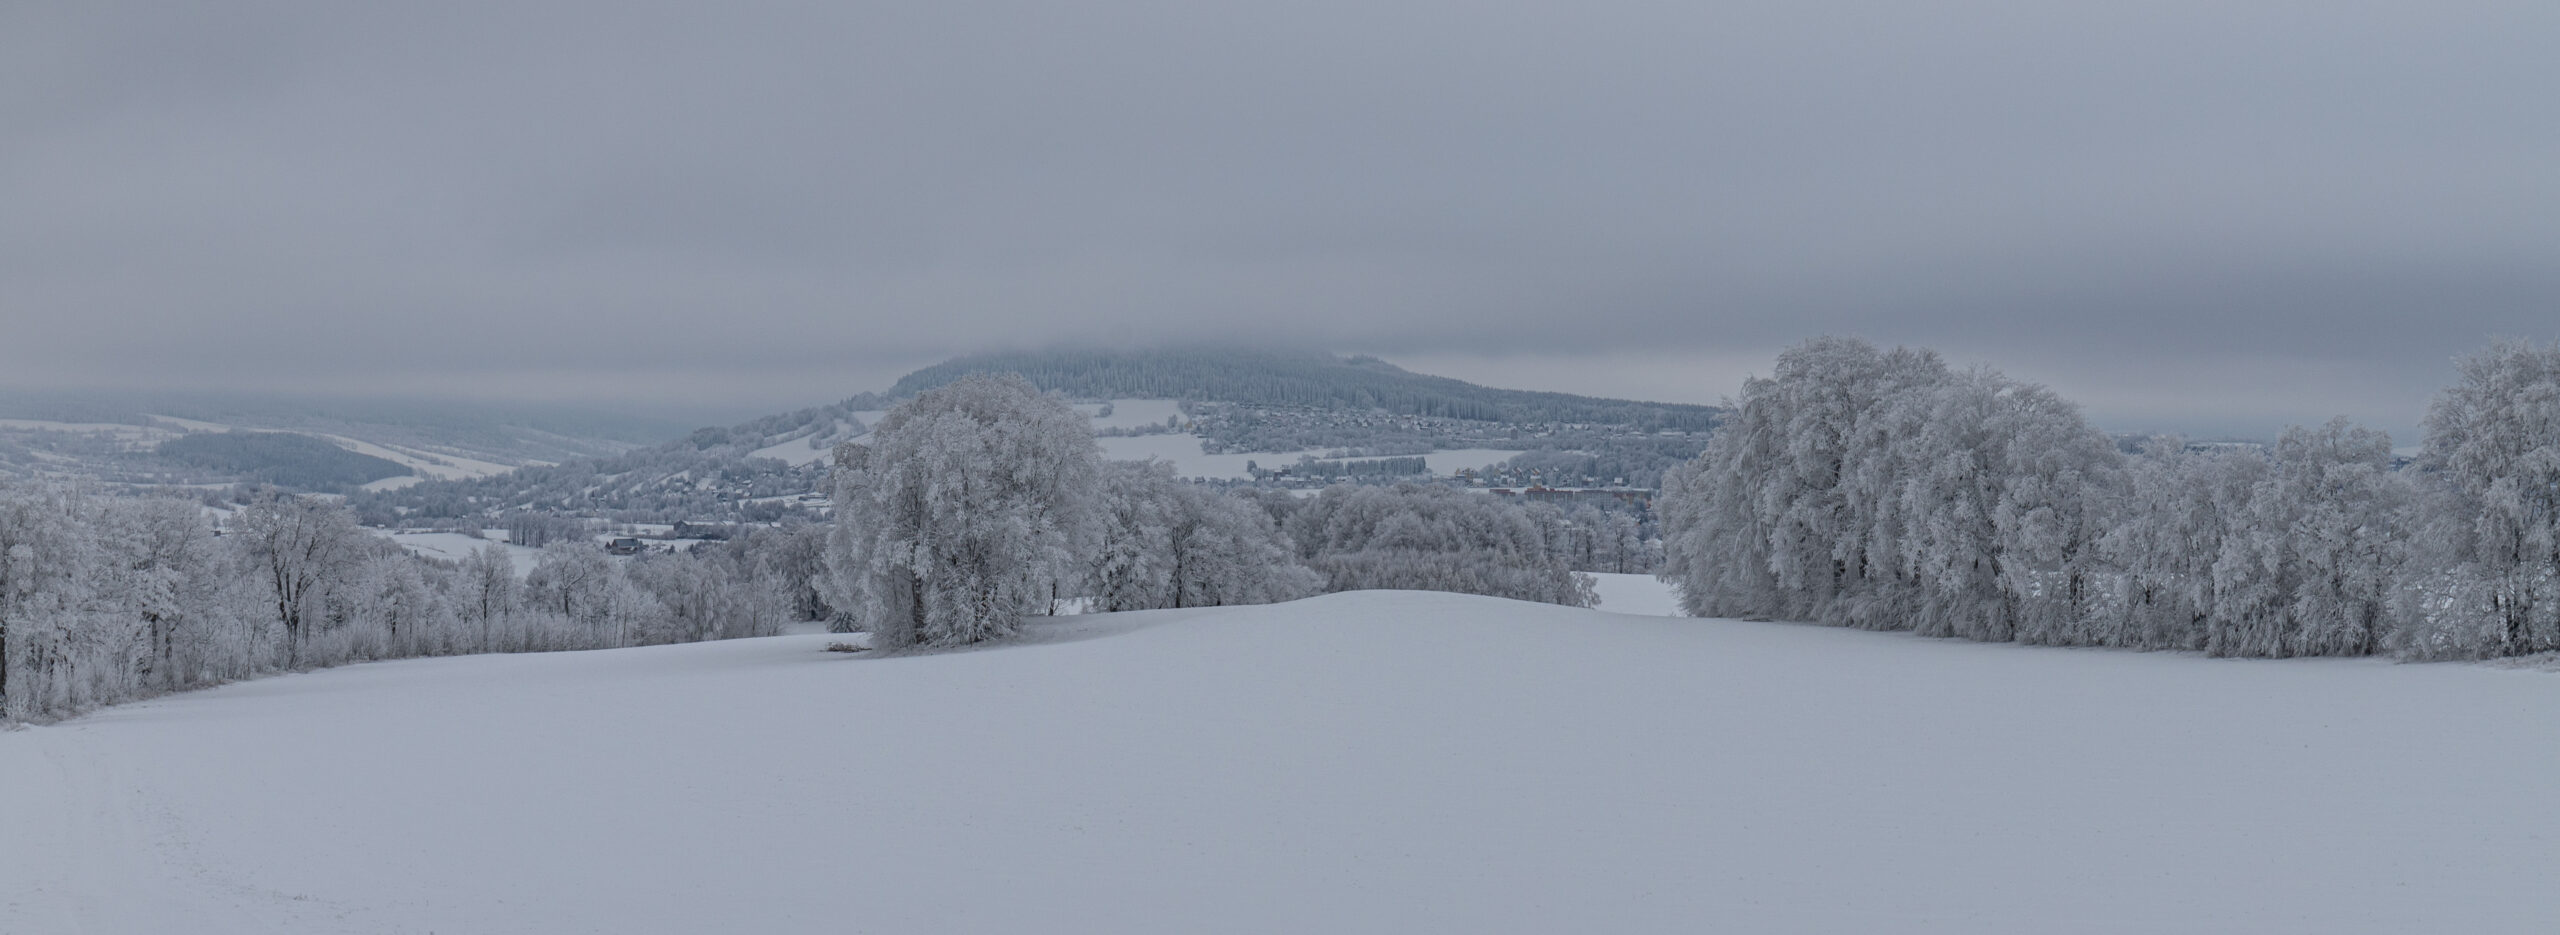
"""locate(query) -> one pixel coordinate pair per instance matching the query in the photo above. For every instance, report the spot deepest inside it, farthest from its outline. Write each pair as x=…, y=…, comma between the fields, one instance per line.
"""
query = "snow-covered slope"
x=1367, y=762
x=1645, y=595
x=455, y=547
x=815, y=442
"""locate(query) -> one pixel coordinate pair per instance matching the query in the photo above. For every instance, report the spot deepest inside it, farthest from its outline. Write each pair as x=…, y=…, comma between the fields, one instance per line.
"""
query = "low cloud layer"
x=2175, y=211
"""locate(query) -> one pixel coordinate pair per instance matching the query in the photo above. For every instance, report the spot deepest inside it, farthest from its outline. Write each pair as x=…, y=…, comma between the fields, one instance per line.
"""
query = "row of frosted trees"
x=981, y=503
x=110, y=598
x=1883, y=489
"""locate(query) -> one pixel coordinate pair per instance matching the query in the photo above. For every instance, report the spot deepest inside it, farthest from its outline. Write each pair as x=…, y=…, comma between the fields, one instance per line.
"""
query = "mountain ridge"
x=1314, y=379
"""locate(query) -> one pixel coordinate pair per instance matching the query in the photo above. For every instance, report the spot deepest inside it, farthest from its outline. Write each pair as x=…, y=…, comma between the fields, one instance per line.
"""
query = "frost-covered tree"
x=48, y=564
x=487, y=593
x=299, y=547
x=1951, y=492
x=388, y=610
x=2059, y=483
x=179, y=582
x=1133, y=561
x=2493, y=450
x=972, y=507
x=1796, y=508
x=1227, y=551
x=2181, y=507
x=2342, y=508
x=708, y=594
x=1166, y=543
x=105, y=598
x=570, y=578
x=1879, y=489
x=2243, y=553
x=1617, y=542
x=575, y=582
x=794, y=555
x=1432, y=539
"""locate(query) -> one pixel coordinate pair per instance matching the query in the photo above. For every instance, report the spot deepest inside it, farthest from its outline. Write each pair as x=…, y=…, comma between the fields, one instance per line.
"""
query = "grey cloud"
x=780, y=199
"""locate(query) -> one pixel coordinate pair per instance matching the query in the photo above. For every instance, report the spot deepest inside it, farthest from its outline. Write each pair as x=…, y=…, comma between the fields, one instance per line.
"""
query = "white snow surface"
x=431, y=466
x=1445, y=463
x=1132, y=413
x=425, y=465
x=796, y=452
x=118, y=429
x=454, y=547
x=1188, y=460
x=1642, y=595
x=191, y=425
x=1368, y=762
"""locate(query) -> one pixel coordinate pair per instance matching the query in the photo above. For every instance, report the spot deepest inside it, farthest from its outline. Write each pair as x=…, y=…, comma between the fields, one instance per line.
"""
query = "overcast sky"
x=2202, y=216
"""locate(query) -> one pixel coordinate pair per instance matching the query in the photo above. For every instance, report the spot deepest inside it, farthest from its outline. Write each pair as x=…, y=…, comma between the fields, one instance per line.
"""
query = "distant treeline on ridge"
x=280, y=458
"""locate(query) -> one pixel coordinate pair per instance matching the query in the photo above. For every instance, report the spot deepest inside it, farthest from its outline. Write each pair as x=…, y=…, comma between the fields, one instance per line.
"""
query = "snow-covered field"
x=421, y=464
x=1365, y=762
x=424, y=465
x=1642, y=595
x=454, y=547
x=1188, y=461
x=1183, y=451
x=122, y=431
x=1448, y=462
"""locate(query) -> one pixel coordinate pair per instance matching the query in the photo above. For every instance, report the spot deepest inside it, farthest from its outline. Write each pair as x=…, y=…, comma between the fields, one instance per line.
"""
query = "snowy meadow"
x=1383, y=761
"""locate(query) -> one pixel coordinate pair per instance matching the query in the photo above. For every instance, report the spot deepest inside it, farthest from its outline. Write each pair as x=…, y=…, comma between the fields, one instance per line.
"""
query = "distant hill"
x=498, y=432
x=714, y=473
x=1254, y=400
x=1299, y=378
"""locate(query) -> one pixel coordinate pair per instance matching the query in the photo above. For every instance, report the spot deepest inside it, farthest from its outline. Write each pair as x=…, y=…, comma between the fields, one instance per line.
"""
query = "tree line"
x=981, y=503
x=111, y=598
x=280, y=458
x=975, y=506
x=1883, y=489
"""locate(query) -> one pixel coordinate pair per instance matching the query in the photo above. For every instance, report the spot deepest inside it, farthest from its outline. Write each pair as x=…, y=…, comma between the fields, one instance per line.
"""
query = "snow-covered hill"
x=120, y=453
x=1363, y=762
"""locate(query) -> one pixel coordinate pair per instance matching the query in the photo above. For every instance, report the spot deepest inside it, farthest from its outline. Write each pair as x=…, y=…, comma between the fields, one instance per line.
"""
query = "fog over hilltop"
x=2189, y=215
